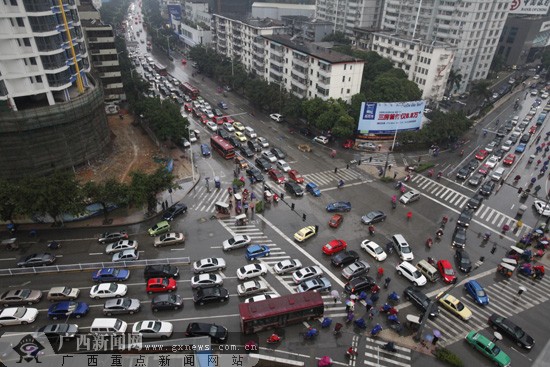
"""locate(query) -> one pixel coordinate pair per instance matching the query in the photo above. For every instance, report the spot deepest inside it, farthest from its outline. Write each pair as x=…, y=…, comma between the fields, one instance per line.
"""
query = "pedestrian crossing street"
x=457, y=200
x=376, y=356
x=503, y=300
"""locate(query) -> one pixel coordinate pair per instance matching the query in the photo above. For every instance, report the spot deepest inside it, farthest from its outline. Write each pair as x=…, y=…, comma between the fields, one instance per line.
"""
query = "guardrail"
x=93, y=266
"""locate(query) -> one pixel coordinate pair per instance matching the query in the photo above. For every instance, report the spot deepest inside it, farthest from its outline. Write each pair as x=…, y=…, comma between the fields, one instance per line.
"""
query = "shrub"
x=446, y=356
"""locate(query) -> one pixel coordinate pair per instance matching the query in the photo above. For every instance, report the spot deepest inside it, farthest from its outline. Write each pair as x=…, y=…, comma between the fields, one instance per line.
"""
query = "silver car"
x=360, y=267
x=206, y=281
x=208, y=265
x=316, y=285
x=168, y=239
x=121, y=306
x=121, y=246
x=153, y=329
x=285, y=266
x=126, y=255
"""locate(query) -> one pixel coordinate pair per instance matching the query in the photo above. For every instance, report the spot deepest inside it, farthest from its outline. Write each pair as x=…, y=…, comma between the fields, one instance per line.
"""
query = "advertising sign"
x=175, y=11
x=530, y=7
x=385, y=118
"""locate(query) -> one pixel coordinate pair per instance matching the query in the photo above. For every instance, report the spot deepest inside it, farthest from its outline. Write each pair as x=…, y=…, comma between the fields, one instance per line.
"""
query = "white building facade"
x=349, y=14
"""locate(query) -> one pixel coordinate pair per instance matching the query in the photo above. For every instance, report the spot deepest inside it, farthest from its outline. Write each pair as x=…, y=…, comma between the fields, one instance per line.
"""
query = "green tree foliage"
x=145, y=188
x=443, y=128
x=313, y=108
x=337, y=37
x=164, y=117
x=345, y=126
x=454, y=80
x=481, y=89
x=355, y=108
x=390, y=88
x=105, y=193
x=9, y=197
x=545, y=59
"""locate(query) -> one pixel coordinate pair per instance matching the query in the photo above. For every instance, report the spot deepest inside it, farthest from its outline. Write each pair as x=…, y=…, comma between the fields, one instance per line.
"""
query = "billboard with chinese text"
x=529, y=7
x=386, y=117
x=175, y=12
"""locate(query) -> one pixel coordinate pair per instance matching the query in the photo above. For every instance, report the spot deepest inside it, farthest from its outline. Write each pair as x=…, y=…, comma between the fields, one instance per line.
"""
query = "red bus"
x=280, y=312
x=222, y=146
x=161, y=69
x=188, y=89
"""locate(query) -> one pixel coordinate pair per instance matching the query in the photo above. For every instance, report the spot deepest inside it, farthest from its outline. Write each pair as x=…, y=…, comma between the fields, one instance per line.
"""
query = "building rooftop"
x=406, y=38
x=314, y=49
x=284, y=6
x=255, y=22
x=305, y=19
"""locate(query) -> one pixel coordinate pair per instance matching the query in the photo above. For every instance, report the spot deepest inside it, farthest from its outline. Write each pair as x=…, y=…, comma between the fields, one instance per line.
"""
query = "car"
x=263, y=164
x=488, y=348
x=294, y=189
x=305, y=233
x=339, y=206
x=212, y=125
x=66, y=309
x=251, y=271
x=263, y=142
x=484, y=170
x=17, y=316
x=164, y=302
x=18, y=297
x=463, y=173
x=218, y=334
x=62, y=294
x=487, y=188
x=111, y=275
x=168, y=239
x=481, y=154
x=222, y=105
x=208, y=295
x=475, y=201
x=336, y=220
x=217, y=112
x=306, y=273
x=109, y=237
x=235, y=242
x=276, y=117
x=282, y=165
x=121, y=306
x=255, y=251
x=258, y=298
x=521, y=148
x=159, y=285
x=511, y=330
x=373, y=217
x=240, y=136
x=276, y=176
x=108, y=290
x=254, y=146
x=492, y=161
x=229, y=119
x=358, y=268
x=402, y=248
x=228, y=127
x=206, y=281
x=251, y=287
x=410, y=272
x=204, y=119
x=359, y=284
x=491, y=146
x=374, y=250
x=367, y=146
x=501, y=132
x=295, y=176
x=447, y=272
x=473, y=164
x=121, y=246
x=286, y=266
x=334, y=246
x=278, y=153
x=409, y=197
x=255, y=174
x=270, y=157
x=456, y=307
x=313, y=189
x=159, y=228
x=205, y=150
x=347, y=144
x=321, y=139
x=459, y=237
x=465, y=217
x=38, y=259
x=174, y=211
x=238, y=126
x=315, y=285
x=533, y=129
x=476, y=291
x=57, y=331
x=463, y=261
x=344, y=258
x=236, y=144
x=509, y=159
x=421, y=301
x=153, y=329
x=499, y=153
x=126, y=255
x=475, y=179
x=161, y=271
x=542, y=208
x=241, y=162
x=208, y=264
x=246, y=151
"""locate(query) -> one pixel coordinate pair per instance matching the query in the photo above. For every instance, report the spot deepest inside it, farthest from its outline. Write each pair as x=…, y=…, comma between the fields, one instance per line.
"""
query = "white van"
x=248, y=131
x=108, y=326
x=498, y=173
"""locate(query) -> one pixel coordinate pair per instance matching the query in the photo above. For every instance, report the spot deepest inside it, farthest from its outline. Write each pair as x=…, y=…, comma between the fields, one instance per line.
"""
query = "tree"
x=480, y=88
x=389, y=88
x=313, y=108
x=106, y=193
x=144, y=188
x=454, y=80
x=345, y=126
x=9, y=194
x=355, y=107
x=337, y=37
x=545, y=59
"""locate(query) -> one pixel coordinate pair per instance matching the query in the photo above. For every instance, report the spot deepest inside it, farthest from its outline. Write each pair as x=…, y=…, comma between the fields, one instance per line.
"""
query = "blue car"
x=521, y=148
x=313, y=189
x=339, y=206
x=205, y=150
x=66, y=309
x=477, y=292
x=255, y=251
x=110, y=275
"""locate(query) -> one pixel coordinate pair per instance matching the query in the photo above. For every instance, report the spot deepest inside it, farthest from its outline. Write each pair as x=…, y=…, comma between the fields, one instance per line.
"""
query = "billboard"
x=175, y=12
x=385, y=118
x=530, y=7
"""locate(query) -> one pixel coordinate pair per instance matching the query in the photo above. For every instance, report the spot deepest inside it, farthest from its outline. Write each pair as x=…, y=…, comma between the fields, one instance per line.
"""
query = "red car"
x=218, y=120
x=533, y=129
x=447, y=272
x=510, y=159
x=482, y=154
x=228, y=119
x=183, y=62
x=187, y=107
x=204, y=119
x=334, y=246
x=347, y=144
x=157, y=285
x=295, y=176
x=276, y=176
x=484, y=169
x=336, y=220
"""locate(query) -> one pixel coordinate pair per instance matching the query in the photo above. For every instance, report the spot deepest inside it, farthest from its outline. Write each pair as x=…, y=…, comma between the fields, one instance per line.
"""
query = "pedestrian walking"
x=379, y=147
x=371, y=230
x=389, y=167
x=368, y=306
x=371, y=315
x=394, y=175
x=409, y=216
x=335, y=295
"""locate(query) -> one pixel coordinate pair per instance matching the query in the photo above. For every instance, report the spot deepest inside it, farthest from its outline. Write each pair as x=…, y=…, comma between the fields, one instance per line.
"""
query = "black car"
x=511, y=330
x=463, y=261
x=160, y=271
x=525, y=138
x=217, y=333
x=217, y=112
x=306, y=132
x=359, y=284
x=40, y=259
x=487, y=188
x=254, y=146
x=475, y=202
x=465, y=217
x=263, y=163
x=294, y=188
x=167, y=301
x=278, y=153
x=476, y=179
x=223, y=133
x=234, y=141
x=208, y=295
x=499, y=153
x=109, y=237
x=420, y=300
x=344, y=258
x=174, y=211
x=509, y=125
x=246, y=151
x=473, y=164
x=459, y=237
x=463, y=173
x=255, y=174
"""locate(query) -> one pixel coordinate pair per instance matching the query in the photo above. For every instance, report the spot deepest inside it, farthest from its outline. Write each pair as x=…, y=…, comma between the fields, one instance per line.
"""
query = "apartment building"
x=349, y=14
x=307, y=29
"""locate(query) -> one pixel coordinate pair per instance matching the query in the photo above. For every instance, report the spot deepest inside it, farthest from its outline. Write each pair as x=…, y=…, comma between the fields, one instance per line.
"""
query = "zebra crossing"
x=329, y=178
x=376, y=356
x=458, y=200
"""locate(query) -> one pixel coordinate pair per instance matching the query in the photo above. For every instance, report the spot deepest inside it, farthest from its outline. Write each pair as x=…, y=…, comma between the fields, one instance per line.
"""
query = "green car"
x=488, y=348
x=159, y=228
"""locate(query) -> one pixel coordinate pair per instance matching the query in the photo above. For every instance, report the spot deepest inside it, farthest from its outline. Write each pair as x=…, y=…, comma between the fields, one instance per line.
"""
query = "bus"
x=161, y=69
x=222, y=146
x=191, y=91
x=280, y=312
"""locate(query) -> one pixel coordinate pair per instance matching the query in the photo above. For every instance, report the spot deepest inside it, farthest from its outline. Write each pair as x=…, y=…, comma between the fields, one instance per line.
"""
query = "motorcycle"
x=390, y=347
x=387, y=282
x=407, y=178
x=486, y=236
x=273, y=339
x=394, y=319
x=439, y=175
x=393, y=296
x=326, y=322
x=360, y=323
x=351, y=353
x=431, y=261
x=376, y=330
x=337, y=328
x=429, y=242
x=311, y=333
x=439, y=234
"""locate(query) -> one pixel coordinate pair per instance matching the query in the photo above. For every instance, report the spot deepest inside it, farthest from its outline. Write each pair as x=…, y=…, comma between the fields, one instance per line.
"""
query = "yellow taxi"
x=305, y=233
x=238, y=126
x=240, y=136
x=455, y=306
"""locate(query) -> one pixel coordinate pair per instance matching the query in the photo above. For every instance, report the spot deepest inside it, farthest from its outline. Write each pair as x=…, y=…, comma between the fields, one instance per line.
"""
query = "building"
x=473, y=27
x=191, y=22
x=307, y=29
x=349, y=14
x=278, y=10
x=52, y=113
x=428, y=65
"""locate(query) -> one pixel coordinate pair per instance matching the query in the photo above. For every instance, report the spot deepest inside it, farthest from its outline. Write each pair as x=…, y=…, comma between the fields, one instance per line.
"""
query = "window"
x=345, y=65
x=26, y=42
x=343, y=79
x=32, y=60
x=349, y=91
x=20, y=22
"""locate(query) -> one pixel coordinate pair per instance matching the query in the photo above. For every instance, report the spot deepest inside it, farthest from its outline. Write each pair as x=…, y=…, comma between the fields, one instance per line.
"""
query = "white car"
x=285, y=266
x=251, y=271
x=276, y=117
x=236, y=242
x=544, y=95
x=207, y=105
x=261, y=297
x=121, y=246
x=206, y=281
x=404, y=251
x=409, y=197
x=108, y=290
x=251, y=287
x=269, y=156
x=153, y=329
x=228, y=127
x=542, y=208
x=491, y=146
x=507, y=145
x=410, y=272
x=263, y=142
x=212, y=125
x=283, y=166
x=492, y=161
x=209, y=264
x=126, y=255
x=321, y=139
x=304, y=274
x=374, y=250
x=210, y=114
x=17, y=316
x=168, y=239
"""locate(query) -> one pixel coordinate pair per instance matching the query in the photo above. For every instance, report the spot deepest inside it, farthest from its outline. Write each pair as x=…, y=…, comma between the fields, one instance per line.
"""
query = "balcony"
x=323, y=80
x=278, y=70
x=276, y=59
x=275, y=78
x=259, y=67
x=324, y=73
x=276, y=51
x=302, y=63
x=300, y=71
